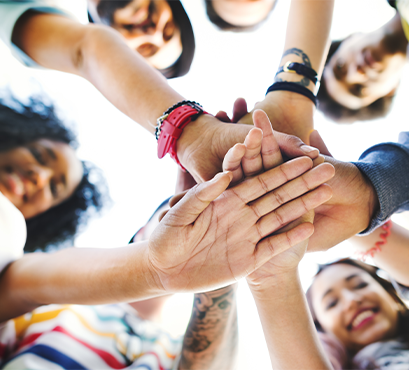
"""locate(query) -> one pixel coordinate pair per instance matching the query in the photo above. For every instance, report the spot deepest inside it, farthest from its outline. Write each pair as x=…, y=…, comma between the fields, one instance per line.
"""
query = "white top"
x=13, y=232
x=11, y=10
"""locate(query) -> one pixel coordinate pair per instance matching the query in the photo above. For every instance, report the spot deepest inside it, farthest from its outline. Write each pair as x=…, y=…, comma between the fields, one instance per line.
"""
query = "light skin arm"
x=211, y=338
x=394, y=255
x=128, y=82
x=227, y=233
x=307, y=42
x=287, y=324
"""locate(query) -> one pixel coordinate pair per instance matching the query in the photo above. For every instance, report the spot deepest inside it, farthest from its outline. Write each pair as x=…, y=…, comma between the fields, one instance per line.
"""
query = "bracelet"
x=171, y=124
x=300, y=69
x=293, y=87
x=377, y=248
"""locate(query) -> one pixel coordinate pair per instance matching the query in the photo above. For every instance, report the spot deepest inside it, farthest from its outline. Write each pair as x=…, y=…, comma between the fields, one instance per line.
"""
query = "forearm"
x=307, y=36
x=394, y=255
x=100, y=55
x=211, y=338
x=287, y=324
x=78, y=276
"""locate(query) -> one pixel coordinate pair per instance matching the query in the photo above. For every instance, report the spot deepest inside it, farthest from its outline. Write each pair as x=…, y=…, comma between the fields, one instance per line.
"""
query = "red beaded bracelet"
x=377, y=248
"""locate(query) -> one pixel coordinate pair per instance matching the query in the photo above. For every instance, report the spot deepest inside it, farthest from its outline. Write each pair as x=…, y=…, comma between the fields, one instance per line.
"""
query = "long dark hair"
x=340, y=114
x=387, y=285
x=23, y=123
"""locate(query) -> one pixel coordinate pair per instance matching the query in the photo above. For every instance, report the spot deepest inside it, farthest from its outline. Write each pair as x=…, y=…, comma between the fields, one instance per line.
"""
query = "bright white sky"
x=226, y=66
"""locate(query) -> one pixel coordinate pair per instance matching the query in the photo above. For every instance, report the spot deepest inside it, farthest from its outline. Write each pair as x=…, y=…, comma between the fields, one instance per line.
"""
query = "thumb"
x=317, y=142
x=197, y=199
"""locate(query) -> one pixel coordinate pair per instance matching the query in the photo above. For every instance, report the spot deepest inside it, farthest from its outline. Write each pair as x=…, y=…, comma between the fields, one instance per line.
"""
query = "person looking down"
x=363, y=72
x=41, y=175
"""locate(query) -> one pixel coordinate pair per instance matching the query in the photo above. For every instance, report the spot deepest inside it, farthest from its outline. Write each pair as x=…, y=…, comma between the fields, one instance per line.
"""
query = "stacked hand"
x=204, y=142
x=214, y=236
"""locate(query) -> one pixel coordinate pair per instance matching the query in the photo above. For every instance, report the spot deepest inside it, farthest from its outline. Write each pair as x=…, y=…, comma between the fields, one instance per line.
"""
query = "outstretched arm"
x=286, y=321
x=307, y=41
x=393, y=256
x=227, y=233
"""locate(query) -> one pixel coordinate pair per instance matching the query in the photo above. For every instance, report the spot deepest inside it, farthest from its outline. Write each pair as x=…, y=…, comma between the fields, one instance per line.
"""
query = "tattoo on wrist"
x=305, y=59
x=214, y=315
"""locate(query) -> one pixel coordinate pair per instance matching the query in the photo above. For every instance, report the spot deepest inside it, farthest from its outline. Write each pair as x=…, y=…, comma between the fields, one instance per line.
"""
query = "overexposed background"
x=226, y=66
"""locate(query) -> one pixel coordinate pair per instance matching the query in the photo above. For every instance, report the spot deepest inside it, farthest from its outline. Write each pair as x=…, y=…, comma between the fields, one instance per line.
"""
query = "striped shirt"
x=86, y=337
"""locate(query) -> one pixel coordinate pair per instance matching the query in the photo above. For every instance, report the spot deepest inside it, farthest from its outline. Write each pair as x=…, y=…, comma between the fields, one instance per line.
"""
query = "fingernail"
x=308, y=149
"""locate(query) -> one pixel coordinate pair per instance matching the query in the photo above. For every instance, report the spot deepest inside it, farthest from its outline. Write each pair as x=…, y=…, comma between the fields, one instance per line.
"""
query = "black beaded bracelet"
x=293, y=87
x=301, y=69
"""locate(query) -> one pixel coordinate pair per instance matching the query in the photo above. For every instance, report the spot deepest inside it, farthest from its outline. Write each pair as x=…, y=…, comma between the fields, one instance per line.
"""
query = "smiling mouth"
x=362, y=318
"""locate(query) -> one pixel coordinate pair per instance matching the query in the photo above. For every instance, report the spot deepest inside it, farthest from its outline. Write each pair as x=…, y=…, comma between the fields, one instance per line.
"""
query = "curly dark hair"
x=340, y=114
x=387, y=285
x=23, y=123
x=226, y=26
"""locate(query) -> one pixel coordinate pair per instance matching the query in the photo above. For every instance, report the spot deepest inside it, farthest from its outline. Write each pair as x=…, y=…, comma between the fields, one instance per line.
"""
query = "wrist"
x=273, y=286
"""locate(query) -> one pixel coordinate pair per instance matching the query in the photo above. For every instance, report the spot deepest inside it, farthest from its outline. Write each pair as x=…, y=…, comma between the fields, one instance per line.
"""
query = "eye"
x=340, y=64
x=361, y=285
x=332, y=304
x=37, y=155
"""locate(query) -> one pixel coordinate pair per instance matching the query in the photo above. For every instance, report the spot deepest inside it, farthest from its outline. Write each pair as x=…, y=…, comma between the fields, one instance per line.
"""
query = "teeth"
x=361, y=317
x=19, y=190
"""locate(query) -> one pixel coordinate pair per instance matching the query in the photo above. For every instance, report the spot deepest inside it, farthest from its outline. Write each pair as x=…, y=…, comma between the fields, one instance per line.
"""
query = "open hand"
x=213, y=237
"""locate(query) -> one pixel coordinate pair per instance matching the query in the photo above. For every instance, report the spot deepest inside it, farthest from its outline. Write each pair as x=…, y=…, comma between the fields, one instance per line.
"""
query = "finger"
x=253, y=188
x=176, y=198
x=276, y=244
x=292, y=210
x=162, y=214
x=197, y=199
x=270, y=151
x=319, y=160
x=252, y=162
x=184, y=181
x=239, y=109
x=317, y=142
x=222, y=116
x=292, y=146
x=232, y=162
x=293, y=189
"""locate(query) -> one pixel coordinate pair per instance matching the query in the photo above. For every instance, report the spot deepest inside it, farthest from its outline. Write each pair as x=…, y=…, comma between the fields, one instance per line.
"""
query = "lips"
x=362, y=317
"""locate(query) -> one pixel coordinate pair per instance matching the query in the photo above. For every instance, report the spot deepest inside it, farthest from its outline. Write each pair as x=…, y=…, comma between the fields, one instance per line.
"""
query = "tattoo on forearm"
x=305, y=59
x=213, y=322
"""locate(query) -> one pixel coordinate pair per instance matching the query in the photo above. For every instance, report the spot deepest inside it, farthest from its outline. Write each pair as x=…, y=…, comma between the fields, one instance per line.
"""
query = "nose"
x=40, y=176
x=355, y=74
x=156, y=34
x=350, y=299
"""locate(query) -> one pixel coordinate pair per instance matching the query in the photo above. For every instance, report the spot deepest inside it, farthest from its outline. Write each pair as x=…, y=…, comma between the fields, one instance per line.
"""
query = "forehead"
x=334, y=276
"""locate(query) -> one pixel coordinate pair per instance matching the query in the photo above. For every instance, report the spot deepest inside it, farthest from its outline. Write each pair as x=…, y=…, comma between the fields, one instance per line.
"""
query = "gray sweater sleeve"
x=386, y=165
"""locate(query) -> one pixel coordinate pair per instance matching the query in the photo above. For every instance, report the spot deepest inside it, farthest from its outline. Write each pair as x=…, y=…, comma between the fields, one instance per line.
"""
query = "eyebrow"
x=51, y=153
x=330, y=290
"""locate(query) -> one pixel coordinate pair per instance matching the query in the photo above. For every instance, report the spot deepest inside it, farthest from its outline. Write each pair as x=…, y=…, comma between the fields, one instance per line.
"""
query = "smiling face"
x=148, y=27
x=243, y=12
x=39, y=175
x=366, y=67
x=352, y=305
